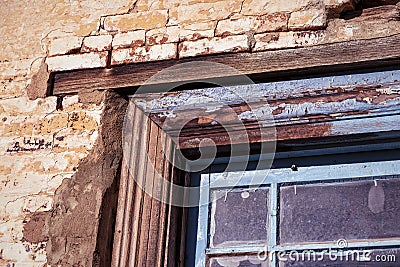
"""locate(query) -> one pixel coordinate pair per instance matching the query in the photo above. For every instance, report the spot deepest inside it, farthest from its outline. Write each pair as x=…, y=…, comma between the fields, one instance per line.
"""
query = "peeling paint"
x=327, y=88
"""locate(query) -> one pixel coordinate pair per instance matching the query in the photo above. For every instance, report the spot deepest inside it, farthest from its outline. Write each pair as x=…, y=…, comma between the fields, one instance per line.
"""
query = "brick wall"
x=41, y=144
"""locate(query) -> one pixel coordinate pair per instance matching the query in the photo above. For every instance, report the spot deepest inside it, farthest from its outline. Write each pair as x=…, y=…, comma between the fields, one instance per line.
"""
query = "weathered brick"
x=280, y=40
x=33, y=125
x=79, y=61
x=259, y=24
x=261, y=7
x=339, y=6
x=18, y=256
x=28, y=183
x=68, y=140
x=272, y=22
x=13, y=88
x=213, y=45
x=235, y=26
x=197, y=31
x=9, y=229
x=55, y=181
x=96, y=43
x=309, y=19
x=129, y=39
x=72, y=103
x=136, y=21
x=37, y=203
x=65, y=45
x=143, y=54
x=83, y=120
x=28, y=34
x=15, y=69
x=201, y=11
x=373, y=23
x=163, y=35
x=22, y=105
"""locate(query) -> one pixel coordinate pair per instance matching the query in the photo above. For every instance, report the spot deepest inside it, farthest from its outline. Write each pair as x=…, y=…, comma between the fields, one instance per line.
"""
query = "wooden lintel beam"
x=338, y=56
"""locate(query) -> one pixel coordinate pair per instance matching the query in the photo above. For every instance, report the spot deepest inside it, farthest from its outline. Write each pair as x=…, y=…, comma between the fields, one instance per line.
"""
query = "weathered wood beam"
x=330, y=128
x=307, y=113
x=338, y=56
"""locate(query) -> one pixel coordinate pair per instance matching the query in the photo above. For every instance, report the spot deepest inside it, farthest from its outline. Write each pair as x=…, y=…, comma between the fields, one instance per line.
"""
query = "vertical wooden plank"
x=119, y=221
x=148, y=230
x=126, y=190
x=147, y=209
x=173, y=224
x=156, y=205
x=140, y=132
x=138, y=200
x=184, y=221
x=164, y=210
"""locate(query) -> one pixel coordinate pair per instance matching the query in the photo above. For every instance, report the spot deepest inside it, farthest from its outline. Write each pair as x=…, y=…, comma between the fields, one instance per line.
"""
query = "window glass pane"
x=328, y=212
x=364, y=258
x=238, y=261
x=239, y=217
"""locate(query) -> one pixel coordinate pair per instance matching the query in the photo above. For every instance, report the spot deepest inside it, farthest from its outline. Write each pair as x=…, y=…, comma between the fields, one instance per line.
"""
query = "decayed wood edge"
x=300, y=131
x=294, y=123
x=338, y=56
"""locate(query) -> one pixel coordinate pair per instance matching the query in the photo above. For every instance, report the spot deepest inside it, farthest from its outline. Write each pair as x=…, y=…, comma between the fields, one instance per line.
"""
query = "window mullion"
x=273, y=204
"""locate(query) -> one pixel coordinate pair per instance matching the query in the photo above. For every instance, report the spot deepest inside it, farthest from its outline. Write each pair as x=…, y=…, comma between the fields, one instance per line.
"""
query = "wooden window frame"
x=151, y=236
x=147, y=237
x=158, y=228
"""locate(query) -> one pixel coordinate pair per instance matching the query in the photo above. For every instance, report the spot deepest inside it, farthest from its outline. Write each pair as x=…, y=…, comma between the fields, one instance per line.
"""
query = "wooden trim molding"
x=147, y=231
x=269, y=64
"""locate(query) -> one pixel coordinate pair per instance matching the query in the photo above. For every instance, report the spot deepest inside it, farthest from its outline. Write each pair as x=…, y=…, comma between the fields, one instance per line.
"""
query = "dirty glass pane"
x=351, y=210
x=362, y=258
x=239, y=261
x=239, y=217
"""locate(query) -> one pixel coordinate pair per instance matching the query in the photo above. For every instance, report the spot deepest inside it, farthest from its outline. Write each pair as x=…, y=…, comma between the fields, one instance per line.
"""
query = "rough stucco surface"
x=51, y=149
x=80, y=198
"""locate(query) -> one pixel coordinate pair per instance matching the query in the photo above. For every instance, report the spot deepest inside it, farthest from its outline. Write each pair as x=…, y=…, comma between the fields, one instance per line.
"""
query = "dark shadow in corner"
x=108, y=211
x=364, y=4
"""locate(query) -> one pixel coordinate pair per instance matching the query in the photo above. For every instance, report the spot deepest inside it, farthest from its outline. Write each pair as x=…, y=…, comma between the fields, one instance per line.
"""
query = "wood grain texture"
x=123, y=229
x=147, y=208
x=305, y=113
x=166, y=171
x=337, y=56
x=147, y=230
x=155, y=225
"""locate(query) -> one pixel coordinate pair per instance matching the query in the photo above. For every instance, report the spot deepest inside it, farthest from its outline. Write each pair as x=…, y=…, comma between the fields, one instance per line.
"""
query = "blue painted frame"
x=273, y=179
